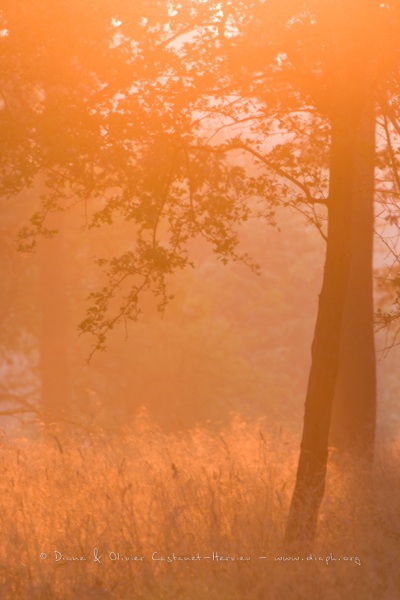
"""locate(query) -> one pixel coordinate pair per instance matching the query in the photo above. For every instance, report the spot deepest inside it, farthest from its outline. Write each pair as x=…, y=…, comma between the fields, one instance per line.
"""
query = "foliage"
x=143, y=113
x=117, y=126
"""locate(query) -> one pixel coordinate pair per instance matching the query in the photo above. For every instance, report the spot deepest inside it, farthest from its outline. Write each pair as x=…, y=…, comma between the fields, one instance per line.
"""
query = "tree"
x=53, y=338
x=324, y=49
x=344, y=91
x=354, y=406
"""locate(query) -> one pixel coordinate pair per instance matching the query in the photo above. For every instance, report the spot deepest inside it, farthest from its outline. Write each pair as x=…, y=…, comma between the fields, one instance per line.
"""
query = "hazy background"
x=230, y=342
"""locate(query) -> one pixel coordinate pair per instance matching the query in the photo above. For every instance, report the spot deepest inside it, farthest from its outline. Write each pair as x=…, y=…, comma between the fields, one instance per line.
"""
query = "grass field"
x=123, y=501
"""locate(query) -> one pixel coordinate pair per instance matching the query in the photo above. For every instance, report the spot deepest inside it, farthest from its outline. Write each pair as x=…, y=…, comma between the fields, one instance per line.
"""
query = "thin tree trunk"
x=55, y=384
x=354, y=405
x=311, y=474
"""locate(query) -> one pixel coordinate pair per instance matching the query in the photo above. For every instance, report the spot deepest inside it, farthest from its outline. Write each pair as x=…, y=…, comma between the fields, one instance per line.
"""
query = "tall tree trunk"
x=354, y=405
x=55, y=384
x=311, y=474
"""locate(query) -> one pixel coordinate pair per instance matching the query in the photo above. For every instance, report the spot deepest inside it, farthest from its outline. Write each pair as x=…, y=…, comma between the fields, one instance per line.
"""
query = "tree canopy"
x=137, y=111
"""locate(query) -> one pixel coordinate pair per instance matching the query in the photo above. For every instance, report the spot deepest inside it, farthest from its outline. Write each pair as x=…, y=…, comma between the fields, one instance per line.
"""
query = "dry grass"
x=142, y=491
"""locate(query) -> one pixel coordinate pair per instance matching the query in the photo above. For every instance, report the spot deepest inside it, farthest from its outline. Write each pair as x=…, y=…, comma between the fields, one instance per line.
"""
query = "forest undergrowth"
x=141, y=515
